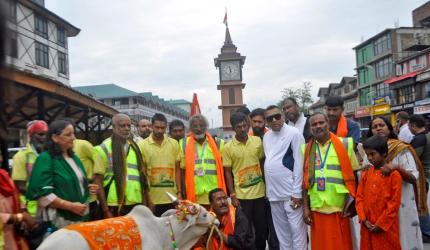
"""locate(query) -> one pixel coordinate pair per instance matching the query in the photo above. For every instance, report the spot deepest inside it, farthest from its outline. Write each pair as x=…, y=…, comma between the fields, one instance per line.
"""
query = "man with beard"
x=241, y=158
x=162, y=161
x=201, y=163
x=339, y=124
x=121, y=176
x=144, y=128
x=23, y=161
x=258, y=125
x=295, y=118
x=176, y=129
x=283, y=172
x=328, y=178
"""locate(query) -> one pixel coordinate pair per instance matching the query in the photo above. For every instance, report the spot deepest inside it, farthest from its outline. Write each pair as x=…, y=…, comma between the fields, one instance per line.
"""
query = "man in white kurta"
x=283, y=170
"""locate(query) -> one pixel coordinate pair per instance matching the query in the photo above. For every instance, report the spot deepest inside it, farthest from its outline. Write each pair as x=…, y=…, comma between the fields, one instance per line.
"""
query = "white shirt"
x=281, y=182
x=405, y=134
x=300, y=123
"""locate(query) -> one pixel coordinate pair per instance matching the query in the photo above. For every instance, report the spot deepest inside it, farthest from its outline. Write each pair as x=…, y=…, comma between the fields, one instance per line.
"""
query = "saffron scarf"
x=228, y=221
x=394, y=148
x=7, y=189
x=342, y=127
x=344, y=162
x=190, y=157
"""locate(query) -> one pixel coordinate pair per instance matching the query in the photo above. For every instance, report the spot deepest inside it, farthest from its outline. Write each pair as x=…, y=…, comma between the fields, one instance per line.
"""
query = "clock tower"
x=229, y=64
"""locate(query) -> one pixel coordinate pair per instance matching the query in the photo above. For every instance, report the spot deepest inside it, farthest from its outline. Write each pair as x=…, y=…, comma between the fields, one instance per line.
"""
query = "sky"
x=168, y=47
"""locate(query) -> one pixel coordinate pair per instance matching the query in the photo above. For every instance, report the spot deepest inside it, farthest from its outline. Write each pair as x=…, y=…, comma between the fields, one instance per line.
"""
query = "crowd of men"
x=280, y=174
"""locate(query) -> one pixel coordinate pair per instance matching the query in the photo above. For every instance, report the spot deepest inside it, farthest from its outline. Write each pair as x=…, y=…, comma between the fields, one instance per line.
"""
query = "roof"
x=322, y=91
x=111, y=90
x=179, y=101
x=71, y=29
x=362, y=44
x=105, y=91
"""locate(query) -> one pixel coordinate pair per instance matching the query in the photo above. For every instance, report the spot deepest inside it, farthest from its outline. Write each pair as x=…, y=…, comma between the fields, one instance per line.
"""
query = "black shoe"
x=426, y=239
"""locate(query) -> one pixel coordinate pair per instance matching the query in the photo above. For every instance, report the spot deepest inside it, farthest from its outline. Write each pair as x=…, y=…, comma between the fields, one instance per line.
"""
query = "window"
x=382, y=45
x=42, y=55
x=365, y=96
x=62, y=63
x=364, y=76
x=124, y=101
x=382, y=89
x=364, y=54
x=426, y=90
x=12, y=45
x=41, y=26
x=231, y=96
x=406, y=94
x=61, y=36
x=384, y=67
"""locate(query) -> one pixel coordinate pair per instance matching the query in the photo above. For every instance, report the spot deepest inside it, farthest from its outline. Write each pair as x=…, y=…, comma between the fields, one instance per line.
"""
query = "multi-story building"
x=347, y=88
x=35, y=83
x=38, y=40
x=137, y=105
x=375, y=60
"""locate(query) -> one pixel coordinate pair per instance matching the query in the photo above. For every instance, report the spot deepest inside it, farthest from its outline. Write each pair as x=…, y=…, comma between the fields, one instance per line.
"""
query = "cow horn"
x=173, y=198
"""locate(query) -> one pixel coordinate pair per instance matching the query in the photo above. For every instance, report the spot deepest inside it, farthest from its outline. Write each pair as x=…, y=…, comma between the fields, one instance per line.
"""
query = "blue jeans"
x=425, y=220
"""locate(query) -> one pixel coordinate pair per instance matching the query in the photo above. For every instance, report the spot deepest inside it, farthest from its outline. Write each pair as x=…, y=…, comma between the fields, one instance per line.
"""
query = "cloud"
x=167, y=47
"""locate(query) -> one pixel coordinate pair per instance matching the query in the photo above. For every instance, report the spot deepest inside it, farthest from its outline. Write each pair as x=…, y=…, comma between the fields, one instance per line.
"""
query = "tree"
x=302, y=95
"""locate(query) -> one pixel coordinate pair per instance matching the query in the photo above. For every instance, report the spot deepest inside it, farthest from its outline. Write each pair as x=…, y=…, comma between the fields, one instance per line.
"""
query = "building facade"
x=137, y=105
x=38, y=40
x=229, y=64
x=347, y=88
x=375, y=64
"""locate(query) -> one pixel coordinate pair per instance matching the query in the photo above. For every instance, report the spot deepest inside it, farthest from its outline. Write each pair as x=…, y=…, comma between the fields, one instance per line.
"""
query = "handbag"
x=349, y=209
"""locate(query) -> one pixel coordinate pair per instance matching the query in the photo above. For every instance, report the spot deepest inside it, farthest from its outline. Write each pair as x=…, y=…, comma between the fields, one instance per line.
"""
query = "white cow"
x=155, y=232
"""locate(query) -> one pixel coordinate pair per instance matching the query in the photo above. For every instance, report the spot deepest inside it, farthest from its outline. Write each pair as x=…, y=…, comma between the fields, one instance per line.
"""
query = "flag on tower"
x=195, y=107
x=225, y=19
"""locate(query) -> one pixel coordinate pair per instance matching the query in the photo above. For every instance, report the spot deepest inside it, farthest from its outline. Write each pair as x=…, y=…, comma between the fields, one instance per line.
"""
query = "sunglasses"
x=275, y=117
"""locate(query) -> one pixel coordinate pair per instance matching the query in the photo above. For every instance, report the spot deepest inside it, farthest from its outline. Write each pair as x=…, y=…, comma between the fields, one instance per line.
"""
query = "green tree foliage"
x=302, y=95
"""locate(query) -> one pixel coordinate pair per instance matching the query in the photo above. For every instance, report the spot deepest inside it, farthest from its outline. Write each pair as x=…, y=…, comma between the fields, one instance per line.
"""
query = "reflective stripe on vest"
x=30, y=204
x=133, y=186
x=207, y=172
x=208, y=161
x=335, y=189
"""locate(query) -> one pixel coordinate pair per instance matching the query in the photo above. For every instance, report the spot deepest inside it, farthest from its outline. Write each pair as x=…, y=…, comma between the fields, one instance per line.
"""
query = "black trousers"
x=255, y=211
x=273, y=239
x=161, y=208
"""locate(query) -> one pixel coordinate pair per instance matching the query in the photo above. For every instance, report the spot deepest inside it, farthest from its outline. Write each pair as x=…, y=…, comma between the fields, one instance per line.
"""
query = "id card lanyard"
x=325, y=159
x=200, y=171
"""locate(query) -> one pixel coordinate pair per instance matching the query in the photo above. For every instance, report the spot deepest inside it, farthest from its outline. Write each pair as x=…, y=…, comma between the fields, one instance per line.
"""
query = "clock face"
x=230, y=70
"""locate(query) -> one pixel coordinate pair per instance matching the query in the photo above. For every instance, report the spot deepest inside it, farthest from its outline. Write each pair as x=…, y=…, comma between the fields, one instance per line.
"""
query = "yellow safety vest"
x=335, y=189
x=133, y=194
x=205, y=174
x=30, y=159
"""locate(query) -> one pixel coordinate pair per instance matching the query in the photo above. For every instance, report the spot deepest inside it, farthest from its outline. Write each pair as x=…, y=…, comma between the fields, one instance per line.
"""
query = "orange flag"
x=195, y=107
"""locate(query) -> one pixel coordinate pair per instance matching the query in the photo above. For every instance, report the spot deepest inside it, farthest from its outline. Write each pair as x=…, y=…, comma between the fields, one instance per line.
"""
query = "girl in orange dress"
x=378, y=200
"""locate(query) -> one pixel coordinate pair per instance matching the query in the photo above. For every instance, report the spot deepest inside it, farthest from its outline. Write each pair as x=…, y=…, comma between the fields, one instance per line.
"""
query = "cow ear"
x=191, y=221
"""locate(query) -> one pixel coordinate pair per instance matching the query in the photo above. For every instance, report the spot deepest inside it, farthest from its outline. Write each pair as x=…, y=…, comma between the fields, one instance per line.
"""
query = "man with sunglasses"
x=283, y=171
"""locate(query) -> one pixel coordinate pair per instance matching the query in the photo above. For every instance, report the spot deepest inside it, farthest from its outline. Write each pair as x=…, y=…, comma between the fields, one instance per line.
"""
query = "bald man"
x=144, y=128
x=121, y=160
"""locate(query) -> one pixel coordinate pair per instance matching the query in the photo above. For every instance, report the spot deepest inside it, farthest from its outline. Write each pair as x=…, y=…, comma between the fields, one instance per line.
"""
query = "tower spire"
x=227, y=37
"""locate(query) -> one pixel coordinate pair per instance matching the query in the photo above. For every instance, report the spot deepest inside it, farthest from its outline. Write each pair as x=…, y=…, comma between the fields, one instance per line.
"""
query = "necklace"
x=172, y=235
